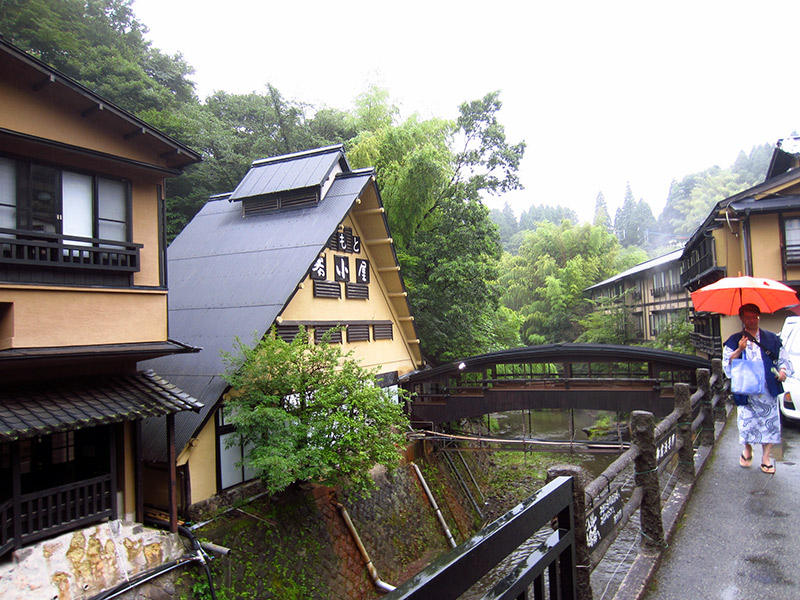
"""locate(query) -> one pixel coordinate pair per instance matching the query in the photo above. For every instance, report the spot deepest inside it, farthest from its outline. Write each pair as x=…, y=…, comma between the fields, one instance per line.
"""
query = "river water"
x=565, y=425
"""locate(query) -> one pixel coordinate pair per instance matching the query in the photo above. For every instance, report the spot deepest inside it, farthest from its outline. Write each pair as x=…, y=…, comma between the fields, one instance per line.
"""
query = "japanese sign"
x=602, y=519
x=362, y=271
x=341, y=267
x=319, y=270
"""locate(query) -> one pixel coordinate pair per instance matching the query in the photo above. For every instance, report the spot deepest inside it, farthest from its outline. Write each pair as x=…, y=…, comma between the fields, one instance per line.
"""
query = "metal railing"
x=551, y=565
x=600, y=510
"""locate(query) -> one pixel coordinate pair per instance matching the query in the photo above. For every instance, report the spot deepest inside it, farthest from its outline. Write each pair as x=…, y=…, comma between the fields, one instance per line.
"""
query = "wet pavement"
x=739, y=538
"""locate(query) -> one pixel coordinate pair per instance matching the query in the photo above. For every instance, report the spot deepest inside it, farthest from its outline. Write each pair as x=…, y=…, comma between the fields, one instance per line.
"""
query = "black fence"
x=549, y=567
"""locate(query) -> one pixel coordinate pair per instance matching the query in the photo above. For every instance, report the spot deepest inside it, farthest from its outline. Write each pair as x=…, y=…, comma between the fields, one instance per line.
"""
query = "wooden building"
x=651, y=292
x=302, y=240
x=83, y=297
x=755, y=232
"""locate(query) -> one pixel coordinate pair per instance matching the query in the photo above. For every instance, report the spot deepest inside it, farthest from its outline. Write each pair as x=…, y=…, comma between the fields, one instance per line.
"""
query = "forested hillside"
x=468, y=296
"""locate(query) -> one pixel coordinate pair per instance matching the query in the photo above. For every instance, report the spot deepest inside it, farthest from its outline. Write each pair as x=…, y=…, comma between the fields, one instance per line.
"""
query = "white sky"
x=603, y=93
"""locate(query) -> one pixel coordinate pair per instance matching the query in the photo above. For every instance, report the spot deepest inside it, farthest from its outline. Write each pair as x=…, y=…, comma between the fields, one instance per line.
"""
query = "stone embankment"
x=297, y=545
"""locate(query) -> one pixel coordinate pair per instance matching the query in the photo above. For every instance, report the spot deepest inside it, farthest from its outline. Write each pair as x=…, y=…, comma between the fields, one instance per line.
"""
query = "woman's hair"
x=753, y=308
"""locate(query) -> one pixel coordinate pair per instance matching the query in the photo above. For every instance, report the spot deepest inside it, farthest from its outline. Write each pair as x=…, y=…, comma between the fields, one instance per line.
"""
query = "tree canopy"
x=323, y=420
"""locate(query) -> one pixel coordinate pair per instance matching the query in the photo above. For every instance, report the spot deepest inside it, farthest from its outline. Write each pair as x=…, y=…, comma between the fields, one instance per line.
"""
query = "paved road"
x=740, y=536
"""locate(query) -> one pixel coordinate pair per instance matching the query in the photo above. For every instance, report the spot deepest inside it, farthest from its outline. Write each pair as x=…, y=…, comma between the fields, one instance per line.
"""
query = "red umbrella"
x=729, y=293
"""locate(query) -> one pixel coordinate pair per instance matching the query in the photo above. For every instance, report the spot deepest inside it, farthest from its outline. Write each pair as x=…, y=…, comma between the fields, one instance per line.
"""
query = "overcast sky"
x=603, y=93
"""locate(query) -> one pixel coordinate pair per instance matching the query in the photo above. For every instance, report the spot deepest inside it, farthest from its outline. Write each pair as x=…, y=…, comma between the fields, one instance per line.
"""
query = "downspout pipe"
x=373, y=572
x=435, y=506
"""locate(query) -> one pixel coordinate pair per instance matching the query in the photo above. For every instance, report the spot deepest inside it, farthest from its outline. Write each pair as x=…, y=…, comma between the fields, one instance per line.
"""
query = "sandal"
x=744, y=461
x=768, y=469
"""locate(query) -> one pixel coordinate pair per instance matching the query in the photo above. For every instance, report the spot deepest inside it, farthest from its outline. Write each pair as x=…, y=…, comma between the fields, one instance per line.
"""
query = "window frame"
x=24, y=201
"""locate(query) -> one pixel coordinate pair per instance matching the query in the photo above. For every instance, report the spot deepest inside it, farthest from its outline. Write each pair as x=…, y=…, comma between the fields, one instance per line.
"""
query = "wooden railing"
x=550, y=565
x=6, y=526
x=609, y=507
x=39, y=248
x=52, y=511
x=600, y=510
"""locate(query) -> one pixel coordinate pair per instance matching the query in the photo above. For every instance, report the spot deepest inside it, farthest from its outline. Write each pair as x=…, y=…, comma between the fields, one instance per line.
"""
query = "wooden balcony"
x=52, y=249
x=45, y=513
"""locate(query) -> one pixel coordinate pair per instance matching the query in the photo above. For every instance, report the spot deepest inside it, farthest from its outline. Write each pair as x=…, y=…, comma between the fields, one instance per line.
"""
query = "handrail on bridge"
x=600, y=509
x=455, y=572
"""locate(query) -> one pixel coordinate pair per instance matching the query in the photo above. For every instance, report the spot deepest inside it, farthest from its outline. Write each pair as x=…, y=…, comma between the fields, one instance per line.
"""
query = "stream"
x=558, y=425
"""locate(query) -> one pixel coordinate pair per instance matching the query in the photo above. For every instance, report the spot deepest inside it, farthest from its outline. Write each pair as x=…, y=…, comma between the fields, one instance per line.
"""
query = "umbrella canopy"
x=728, y=294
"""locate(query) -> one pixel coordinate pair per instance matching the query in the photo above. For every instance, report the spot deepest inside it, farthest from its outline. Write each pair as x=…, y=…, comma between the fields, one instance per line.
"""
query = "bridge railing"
x=549, y=566
x=611, y=500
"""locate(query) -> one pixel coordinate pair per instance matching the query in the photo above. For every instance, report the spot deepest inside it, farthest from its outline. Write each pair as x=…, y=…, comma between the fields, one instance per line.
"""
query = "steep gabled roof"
x=231, y=276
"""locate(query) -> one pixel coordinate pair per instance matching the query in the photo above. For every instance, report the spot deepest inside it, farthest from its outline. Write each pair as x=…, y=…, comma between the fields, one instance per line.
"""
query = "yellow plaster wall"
x=389, y=355
x=45, y=114
x=766, y=247
x=201, y=454
x=53, y=317
x=146, y=231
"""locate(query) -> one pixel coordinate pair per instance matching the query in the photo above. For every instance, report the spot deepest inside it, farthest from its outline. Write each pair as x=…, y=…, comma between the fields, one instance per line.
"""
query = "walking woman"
x=758, y=416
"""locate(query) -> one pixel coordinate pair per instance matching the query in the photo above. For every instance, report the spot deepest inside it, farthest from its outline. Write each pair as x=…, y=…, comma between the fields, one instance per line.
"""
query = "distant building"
x=755, y=232
x=302, y=240
x=651, y=291
x=83, y=298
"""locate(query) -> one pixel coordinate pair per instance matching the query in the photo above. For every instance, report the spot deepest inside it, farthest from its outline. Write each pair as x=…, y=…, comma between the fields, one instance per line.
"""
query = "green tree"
x=323, y=420
x=506, y=223
x=530, y=219
x=633, y=220
x=102, y=45
x=610, y=322
x=544, y=283
x=433, y=175
x=601, y=216
x=676, y=335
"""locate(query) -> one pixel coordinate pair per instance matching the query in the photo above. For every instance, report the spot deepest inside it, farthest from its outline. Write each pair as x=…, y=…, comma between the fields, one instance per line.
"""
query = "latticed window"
x=791, y=232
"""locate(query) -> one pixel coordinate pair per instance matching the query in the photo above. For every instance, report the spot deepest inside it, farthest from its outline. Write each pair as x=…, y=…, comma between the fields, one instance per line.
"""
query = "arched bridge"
x=591, y=376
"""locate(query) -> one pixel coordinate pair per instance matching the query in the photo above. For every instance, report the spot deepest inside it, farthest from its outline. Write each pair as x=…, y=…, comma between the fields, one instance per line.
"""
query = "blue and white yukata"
x=759, y=421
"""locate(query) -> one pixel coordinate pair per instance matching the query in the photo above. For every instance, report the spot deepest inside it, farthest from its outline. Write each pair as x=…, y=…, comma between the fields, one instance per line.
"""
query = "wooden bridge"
x=663, y=460
x=591, y=376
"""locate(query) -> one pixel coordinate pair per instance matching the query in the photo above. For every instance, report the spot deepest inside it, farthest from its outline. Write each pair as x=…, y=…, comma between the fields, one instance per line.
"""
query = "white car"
x=789, y=400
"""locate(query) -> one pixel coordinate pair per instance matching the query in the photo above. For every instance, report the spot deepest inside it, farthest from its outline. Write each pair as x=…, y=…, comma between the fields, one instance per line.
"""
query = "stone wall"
x=296, y=544
x=83, y=563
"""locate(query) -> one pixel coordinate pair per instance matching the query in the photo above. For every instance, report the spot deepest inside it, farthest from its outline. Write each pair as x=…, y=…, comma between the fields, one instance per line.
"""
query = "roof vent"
x=260, y=205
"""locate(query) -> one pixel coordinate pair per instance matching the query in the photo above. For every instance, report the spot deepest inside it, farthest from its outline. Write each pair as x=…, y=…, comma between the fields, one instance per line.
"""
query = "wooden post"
x=720, y=414
x=646, y=466
x=173, y=504
x=580, y=478
x=16, y=492
x=137, y=471
x=707, y=431
x=683, y=404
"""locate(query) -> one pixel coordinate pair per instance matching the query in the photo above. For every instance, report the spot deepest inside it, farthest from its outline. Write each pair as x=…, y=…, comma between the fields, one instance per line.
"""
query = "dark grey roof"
x=46, y=407
x=653, y=263
x=135, y=350
x=230, y=276
x=290, y=172
x=767, y=205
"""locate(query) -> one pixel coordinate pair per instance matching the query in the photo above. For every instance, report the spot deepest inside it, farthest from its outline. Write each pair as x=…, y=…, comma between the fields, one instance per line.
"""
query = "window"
x=232, y=467
x=36, y=197
x=791, y=232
